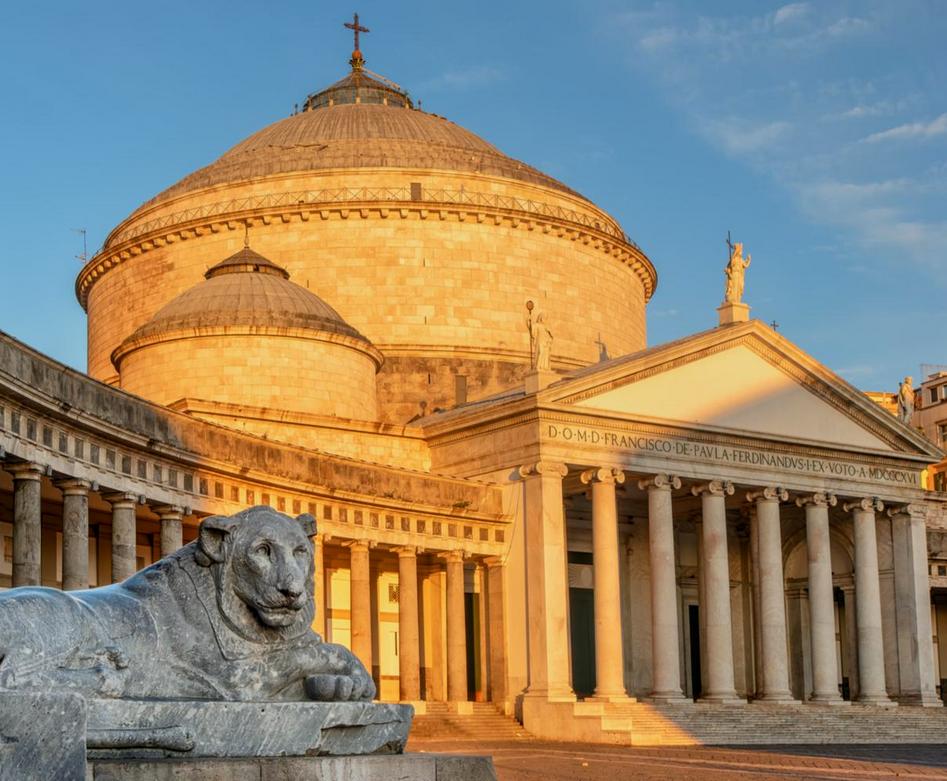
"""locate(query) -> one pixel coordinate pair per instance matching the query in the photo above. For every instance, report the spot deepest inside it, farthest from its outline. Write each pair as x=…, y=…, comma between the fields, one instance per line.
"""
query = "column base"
x=777, y=698
x=420, y=706
x=551, y=695
x=827, y=699
x=730, y=698
x=622, y=697
x=876, y=701
x=668, y=698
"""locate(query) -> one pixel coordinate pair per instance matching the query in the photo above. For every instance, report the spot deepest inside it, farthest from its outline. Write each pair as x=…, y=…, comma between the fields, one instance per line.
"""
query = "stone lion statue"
x=227, y=617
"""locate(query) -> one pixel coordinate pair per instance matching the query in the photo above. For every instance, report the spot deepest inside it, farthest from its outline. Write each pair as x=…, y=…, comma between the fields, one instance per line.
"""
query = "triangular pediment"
x=744, y=379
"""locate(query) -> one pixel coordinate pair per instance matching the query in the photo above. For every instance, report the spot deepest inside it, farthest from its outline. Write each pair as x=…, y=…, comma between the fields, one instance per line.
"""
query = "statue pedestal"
x=538, y=379
x=66, y=737
x=410, y=767
x=733, y=313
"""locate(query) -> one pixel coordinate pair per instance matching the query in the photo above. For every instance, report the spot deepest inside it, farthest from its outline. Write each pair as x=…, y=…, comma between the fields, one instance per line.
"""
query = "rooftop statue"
x=542, y=343
x=735, y=272
x=227, y=617
x=906, y=400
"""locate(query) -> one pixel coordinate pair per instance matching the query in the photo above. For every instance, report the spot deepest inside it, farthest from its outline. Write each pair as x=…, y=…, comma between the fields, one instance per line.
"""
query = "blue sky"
x=815, y=131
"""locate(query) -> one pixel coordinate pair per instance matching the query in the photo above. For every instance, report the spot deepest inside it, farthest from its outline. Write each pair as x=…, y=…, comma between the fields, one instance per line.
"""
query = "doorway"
x=582, y=631
x=693, y=625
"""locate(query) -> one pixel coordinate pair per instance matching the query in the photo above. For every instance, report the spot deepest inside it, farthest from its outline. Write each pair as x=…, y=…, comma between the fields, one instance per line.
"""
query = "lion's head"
x=262, y=562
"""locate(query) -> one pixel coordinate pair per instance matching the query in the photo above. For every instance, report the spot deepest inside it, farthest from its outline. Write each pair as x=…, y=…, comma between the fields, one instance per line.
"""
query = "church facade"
x=331, y=318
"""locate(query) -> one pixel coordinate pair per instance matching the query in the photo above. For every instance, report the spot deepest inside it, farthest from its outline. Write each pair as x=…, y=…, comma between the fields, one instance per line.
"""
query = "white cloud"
x=936, y=127
x=789, y=12
x=876, y=215
x=740, y=137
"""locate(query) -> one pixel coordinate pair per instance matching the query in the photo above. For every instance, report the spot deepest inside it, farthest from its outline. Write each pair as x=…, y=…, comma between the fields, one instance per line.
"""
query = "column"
x=870, y=642
x=547, y=585
x=665, y=640
x=456, y=629
x=124, y=561
x=75, y=534
x=409, y=637
x=27, y=522
x=913, y=606
x=319, y=584
x=170, y=517
x=609, y=658
x=718, y=623
x=361, y=602
x=496, y=629
x=773, y=649
x=821, y=602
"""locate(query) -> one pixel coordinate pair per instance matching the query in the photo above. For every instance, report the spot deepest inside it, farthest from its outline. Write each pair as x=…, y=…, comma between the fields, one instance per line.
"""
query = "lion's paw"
x=339, y=688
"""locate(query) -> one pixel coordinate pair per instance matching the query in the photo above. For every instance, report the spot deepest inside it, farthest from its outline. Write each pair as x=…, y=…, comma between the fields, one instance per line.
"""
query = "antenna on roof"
x=84, y=257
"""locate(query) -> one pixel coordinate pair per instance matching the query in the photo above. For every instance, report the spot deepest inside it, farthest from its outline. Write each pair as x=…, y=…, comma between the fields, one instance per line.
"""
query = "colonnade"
x=363, y=624
x=27, y=552
x=27, y=527
x=549, y=673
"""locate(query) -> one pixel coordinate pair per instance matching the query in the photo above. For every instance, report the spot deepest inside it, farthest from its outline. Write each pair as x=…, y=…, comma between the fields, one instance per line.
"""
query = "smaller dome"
x=246, y=291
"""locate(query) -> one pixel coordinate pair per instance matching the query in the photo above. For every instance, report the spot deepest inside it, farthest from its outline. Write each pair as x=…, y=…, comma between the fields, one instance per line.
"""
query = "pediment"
x=745, y=379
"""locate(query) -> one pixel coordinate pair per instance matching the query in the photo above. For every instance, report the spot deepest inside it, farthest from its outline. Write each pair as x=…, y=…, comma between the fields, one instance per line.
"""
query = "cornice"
x=362, y=346
x=366, y=203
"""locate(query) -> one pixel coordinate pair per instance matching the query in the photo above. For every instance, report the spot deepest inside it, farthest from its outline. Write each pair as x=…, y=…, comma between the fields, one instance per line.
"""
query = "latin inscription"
x=681, y=448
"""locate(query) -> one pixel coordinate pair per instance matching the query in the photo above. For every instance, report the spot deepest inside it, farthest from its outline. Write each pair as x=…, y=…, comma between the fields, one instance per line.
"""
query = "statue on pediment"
x=906, y=400
x=735, y=273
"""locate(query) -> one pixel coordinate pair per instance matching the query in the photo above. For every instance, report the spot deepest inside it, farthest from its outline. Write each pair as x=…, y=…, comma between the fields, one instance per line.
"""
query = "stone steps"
x=484, y=723
x=767, y=724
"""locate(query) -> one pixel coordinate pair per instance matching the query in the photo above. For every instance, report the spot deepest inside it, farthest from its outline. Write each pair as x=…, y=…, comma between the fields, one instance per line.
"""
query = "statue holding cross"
x=735, y=272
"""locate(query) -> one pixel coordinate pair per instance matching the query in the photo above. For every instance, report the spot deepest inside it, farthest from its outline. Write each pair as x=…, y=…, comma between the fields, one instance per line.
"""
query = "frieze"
x=643, y=444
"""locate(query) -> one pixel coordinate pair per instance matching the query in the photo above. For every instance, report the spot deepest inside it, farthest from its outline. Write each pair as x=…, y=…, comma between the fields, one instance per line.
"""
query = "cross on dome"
x=357, y=59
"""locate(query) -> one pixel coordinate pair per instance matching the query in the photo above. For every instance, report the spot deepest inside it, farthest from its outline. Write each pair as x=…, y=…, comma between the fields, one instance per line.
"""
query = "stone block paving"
x=532, y=760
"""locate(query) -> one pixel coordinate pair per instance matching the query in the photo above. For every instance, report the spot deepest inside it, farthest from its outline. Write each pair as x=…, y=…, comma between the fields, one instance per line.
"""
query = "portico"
x=691, y=533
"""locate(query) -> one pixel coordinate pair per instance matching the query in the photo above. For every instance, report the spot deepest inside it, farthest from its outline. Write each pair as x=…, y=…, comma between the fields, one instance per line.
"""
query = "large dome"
x=359, y=135
x=425, y=238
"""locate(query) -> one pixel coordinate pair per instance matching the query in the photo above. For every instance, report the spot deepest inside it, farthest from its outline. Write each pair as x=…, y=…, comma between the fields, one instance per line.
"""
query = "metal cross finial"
x=354, y=25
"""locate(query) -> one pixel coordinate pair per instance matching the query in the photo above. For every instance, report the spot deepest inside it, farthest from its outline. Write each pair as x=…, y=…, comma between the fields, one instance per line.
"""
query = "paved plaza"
x=530, y=760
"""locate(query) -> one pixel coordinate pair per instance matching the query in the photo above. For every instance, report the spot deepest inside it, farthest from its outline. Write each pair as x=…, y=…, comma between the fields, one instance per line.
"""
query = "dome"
x=246, y=337
x=359, y=122
x=245, y=290
x=424, y=236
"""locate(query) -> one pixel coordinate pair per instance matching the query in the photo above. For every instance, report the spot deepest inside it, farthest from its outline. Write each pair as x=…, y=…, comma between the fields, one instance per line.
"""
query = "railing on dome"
x=345, y=195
